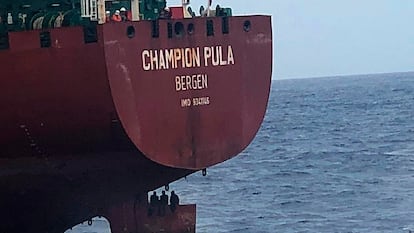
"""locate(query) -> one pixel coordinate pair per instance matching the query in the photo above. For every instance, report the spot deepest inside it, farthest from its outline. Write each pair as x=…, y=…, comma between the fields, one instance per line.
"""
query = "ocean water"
x=333, y=155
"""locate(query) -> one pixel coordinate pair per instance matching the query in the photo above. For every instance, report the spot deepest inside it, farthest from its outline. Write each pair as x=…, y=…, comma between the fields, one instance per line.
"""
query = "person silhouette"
x=163, y=203
x=154, y=203
x=174, y=201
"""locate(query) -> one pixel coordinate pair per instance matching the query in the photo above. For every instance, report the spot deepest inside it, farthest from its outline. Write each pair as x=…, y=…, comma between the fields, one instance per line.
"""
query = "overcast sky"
x=335, y=37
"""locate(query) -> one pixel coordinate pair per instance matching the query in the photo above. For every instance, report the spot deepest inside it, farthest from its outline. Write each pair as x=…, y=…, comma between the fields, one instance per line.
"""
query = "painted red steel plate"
x=192, y=100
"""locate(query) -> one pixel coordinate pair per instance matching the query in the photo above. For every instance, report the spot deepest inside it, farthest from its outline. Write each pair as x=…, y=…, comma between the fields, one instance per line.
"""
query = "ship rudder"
x=131, y=216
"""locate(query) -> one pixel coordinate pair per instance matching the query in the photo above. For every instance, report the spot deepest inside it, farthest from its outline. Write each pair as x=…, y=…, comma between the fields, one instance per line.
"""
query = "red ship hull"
x=88, y=126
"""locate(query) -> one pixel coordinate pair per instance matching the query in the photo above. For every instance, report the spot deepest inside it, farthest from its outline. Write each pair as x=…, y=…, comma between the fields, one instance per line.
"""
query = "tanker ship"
x=103, y=101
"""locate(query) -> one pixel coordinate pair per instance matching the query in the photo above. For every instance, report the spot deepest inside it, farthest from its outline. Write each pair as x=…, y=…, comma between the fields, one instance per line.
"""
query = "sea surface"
x=333, y=155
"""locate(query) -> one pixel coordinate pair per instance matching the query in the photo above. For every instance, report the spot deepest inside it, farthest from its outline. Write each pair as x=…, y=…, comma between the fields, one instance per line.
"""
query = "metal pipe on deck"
x=135, y=10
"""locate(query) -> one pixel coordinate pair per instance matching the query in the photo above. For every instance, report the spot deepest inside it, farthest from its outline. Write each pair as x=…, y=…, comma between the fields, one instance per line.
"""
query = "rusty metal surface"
x=54, y=100
x=61, y=99
x=65, y=154
x=149, y=99
x=133, y=217
x=52, y=197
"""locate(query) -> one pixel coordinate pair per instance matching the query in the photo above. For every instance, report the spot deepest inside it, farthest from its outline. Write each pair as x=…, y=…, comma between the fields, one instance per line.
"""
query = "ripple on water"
x=333, y=155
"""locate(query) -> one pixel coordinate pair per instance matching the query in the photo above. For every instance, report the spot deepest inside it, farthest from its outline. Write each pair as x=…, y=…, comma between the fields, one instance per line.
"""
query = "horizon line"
x=343, y=75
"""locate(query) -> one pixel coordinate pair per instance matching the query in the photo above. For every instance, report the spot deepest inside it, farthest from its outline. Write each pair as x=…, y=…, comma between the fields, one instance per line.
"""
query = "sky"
x=314, y=38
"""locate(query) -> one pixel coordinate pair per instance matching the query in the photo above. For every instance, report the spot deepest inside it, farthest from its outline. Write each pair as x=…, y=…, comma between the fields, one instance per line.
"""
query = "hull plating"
x=192, y=100
x=144, y=105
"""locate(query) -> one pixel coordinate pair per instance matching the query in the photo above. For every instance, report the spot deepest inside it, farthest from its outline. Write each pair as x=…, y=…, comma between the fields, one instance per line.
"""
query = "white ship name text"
x=165, y=59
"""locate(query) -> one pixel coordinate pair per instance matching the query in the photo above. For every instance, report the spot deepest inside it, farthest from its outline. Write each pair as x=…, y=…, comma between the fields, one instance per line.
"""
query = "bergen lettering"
x=164, y=59
x=191, y=82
